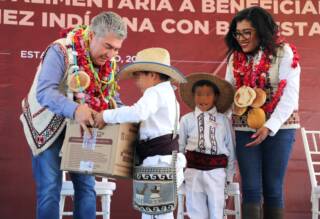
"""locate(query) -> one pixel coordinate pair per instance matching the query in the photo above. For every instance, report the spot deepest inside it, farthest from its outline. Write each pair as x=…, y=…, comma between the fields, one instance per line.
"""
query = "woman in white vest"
x=69, y=84
x=265, y=72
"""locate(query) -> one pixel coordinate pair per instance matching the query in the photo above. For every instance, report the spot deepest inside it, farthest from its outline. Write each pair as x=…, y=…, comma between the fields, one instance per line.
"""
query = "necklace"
x=252, y=72
x=102, y=86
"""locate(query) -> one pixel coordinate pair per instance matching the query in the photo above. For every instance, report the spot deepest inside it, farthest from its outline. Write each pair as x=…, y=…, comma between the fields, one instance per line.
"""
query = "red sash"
x=203, y=161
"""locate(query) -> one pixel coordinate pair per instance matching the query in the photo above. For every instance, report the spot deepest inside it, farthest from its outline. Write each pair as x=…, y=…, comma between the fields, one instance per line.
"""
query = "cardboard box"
x=111, y=155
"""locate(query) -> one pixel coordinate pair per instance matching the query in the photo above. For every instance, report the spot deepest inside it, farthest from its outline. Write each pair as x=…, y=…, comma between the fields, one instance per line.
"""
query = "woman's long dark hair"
x=265, y=26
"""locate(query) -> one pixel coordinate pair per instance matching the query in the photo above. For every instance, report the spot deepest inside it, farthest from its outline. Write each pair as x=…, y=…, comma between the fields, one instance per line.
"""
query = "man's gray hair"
x=108, y=22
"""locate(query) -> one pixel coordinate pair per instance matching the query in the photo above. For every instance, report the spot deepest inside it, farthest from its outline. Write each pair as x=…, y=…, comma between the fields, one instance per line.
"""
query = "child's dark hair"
x=208, y=83
x=162, y=77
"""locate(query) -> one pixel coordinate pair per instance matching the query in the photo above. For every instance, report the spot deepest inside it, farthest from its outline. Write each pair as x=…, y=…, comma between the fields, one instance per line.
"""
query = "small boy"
x=205, y=136
x=157, y=111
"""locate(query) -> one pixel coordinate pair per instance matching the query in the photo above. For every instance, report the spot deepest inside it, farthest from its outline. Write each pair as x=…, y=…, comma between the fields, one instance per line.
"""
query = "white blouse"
x=290, y=97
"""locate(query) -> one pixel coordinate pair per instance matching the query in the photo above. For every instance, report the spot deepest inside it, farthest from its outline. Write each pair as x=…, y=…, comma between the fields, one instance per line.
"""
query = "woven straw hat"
x=223, y=102
x=152, y=59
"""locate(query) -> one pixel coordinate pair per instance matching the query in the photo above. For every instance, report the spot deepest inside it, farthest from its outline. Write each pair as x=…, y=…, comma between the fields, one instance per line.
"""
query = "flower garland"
x=269, y=107
x=253, y=73
x=102, y=84
x=296, y=57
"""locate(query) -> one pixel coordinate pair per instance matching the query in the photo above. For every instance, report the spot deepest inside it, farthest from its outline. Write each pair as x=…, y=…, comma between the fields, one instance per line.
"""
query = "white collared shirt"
x=157, y=110
x=221, y=135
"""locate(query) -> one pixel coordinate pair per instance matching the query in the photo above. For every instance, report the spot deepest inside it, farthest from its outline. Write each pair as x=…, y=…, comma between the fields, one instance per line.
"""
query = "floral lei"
x=102, y=84
x=254, y=72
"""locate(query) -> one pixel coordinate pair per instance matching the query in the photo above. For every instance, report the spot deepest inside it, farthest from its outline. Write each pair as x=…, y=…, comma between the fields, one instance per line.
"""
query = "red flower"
x=248, y=74
x=96, y=92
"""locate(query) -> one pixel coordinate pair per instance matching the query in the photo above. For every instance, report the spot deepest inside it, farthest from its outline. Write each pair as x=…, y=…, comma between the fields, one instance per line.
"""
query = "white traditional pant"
x=205, y=193
x=165, y=161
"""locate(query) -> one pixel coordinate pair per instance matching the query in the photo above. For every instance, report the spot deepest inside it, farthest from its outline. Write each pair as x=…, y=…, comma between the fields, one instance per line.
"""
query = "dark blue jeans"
x=263, y=167
x=48, y=177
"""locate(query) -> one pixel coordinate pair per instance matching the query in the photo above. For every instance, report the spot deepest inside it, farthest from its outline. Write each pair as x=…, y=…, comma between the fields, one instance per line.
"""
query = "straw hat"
x=152, y=59
x=224, y=101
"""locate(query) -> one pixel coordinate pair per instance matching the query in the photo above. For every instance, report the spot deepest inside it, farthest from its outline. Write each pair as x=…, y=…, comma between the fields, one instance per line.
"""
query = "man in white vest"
x=80, y=58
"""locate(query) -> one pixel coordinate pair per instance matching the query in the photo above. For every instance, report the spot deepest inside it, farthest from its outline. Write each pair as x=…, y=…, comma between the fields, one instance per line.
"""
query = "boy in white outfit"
x=205, y=136
x=157, y=111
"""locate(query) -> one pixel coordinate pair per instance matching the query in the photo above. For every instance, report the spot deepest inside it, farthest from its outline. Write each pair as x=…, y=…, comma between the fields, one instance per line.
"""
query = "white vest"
x=41, y=126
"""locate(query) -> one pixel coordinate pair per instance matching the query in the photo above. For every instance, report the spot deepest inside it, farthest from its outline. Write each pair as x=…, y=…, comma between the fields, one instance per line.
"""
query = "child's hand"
x=98, y=120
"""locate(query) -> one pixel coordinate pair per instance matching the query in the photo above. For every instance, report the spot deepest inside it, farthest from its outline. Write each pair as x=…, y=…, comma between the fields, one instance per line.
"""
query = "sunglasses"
x=246, y=34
